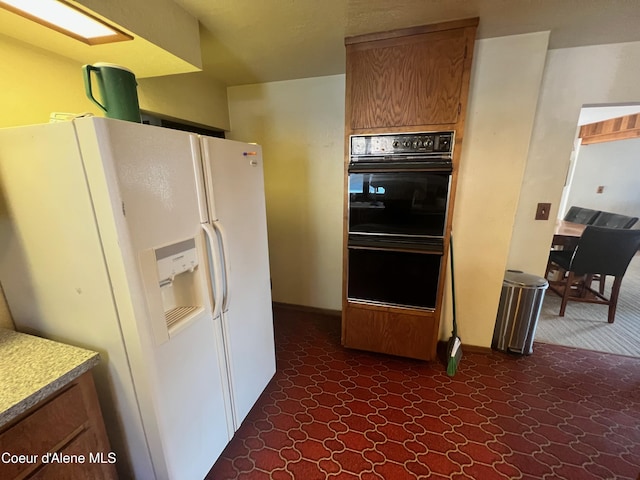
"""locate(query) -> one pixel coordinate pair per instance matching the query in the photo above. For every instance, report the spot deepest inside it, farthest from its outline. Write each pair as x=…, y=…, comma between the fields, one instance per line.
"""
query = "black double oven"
x=399, y=187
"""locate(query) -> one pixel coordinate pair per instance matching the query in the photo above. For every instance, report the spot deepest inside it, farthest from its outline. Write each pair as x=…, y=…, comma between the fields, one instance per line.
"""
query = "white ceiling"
x=593, y=114
x=253, y=41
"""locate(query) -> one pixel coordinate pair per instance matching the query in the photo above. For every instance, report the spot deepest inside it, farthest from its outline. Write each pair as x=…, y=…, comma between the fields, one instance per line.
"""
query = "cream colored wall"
x=613, y=165
x=505, y=83
x=34, y=83
x=300, y=124
x=601, y=74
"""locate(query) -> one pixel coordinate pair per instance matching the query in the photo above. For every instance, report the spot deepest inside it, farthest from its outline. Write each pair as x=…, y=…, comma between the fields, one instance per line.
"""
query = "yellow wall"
x=300, y=124
x=189, y=96
x=5, y=316
x=34, y=83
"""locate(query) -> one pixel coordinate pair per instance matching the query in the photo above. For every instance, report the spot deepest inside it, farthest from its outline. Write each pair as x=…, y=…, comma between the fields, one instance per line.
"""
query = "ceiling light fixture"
x=68, y=19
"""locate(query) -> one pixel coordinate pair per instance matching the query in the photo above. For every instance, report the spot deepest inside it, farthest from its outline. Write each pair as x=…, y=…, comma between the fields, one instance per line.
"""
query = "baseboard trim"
x=477, y=349
x=468, y=348
x=307, y=309
x=442, y=344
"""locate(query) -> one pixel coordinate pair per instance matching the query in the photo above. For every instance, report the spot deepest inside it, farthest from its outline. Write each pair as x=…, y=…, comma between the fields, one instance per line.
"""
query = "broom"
x=454, y=352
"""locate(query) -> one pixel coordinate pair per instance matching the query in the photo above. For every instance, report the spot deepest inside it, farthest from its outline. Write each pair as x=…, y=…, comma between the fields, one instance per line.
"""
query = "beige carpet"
x=585, y=325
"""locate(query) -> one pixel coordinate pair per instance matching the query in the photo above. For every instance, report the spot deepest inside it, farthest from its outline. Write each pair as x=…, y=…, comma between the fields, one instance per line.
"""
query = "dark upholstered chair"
x=600, y=251
x=614, y=220
x=585, y=216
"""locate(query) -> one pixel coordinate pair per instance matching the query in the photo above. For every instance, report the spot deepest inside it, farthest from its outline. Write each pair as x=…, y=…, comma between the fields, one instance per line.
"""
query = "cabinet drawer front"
x=46, y=429
x=83, y=444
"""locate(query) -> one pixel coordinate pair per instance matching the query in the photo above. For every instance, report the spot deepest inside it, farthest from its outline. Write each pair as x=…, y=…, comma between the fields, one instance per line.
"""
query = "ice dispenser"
x=174, y=285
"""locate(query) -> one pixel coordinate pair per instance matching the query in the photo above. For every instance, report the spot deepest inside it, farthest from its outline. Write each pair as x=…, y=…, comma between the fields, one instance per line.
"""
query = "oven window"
x=398, y=203
x=393, y=277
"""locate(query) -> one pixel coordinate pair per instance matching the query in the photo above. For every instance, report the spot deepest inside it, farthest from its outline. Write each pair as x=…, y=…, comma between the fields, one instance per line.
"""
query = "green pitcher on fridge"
x=117, y=90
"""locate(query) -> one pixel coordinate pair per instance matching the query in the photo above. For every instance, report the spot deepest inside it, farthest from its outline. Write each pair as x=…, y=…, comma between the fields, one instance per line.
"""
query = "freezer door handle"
x=225, y=268
x=215, y=249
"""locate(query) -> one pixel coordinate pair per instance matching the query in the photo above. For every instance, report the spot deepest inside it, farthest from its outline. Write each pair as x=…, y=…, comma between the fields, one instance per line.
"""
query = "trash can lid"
x=517, y=278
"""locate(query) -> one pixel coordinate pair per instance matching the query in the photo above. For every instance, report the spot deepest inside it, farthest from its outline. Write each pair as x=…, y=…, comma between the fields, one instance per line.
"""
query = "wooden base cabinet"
x=62, y=437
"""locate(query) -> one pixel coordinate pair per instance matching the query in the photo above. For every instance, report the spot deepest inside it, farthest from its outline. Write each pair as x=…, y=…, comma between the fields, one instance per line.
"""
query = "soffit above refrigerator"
x=155, y=50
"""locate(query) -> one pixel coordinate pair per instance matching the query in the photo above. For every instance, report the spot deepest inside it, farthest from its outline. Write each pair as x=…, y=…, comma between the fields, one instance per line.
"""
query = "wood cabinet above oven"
x=411, y=77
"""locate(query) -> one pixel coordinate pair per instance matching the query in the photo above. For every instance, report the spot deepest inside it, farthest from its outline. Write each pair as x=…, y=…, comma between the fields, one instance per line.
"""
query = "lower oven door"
x=393, y=277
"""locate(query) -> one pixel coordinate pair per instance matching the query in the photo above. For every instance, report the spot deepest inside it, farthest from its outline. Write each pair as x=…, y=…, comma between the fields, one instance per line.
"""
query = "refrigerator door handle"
x=199, y=178
x=225, y=268
x=215, y=249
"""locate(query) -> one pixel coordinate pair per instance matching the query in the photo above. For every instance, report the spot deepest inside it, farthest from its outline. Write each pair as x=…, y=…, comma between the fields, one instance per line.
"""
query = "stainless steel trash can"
x=517, y=319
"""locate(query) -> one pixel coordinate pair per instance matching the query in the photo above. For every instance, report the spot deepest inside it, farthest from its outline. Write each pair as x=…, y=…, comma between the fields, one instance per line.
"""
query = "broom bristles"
x=452, y=366
x=454, y=354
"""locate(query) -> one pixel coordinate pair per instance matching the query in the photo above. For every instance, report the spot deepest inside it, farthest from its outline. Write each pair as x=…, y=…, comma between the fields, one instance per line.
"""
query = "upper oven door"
x=400, y=203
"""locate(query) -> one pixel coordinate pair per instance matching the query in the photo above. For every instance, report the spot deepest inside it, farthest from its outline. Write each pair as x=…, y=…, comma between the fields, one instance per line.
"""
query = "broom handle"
x=453, y=288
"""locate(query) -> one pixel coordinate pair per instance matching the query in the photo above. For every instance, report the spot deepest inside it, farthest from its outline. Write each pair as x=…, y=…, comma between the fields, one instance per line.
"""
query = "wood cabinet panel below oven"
x=391, y=330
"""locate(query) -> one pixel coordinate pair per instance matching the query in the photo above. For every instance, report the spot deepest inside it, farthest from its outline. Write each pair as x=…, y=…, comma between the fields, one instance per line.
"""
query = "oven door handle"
x=433, y=247
x=398, y=166
x=424, y=250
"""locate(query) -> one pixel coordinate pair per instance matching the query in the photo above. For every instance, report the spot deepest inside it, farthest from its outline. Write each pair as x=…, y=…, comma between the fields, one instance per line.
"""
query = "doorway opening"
x=603, y=176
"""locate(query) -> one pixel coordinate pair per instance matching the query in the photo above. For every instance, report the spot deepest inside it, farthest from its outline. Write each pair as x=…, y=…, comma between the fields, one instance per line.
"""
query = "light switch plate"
x=542, y=212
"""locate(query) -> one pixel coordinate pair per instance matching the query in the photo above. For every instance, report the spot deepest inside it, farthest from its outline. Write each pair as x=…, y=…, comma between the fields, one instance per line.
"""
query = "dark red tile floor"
x=331, y=413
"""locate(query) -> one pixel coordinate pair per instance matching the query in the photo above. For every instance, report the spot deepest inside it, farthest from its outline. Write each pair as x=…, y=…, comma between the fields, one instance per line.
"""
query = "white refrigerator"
x=148, y=245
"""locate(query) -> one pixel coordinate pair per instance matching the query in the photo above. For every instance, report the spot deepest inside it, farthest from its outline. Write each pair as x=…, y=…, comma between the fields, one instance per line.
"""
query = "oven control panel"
x=425, y=143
